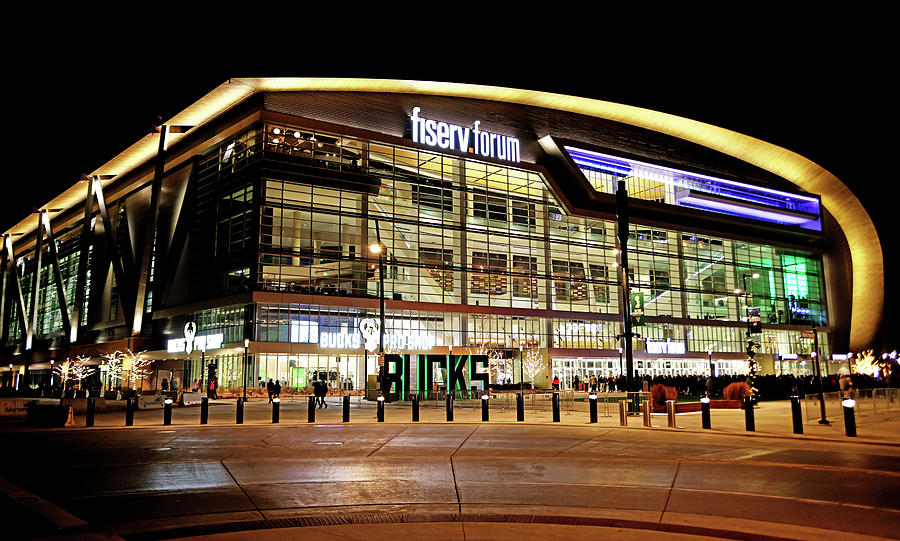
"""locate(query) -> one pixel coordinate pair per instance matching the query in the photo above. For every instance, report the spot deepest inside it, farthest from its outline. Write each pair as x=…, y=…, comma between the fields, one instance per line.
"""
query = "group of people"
x=320, y=390
x=273, y=389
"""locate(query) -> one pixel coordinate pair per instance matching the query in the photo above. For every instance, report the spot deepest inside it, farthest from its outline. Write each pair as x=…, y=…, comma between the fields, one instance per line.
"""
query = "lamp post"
x=51, y=375
x=521, y=368
x=246, y=362
x=712, y=370
x=750, y=354
x=378, y=248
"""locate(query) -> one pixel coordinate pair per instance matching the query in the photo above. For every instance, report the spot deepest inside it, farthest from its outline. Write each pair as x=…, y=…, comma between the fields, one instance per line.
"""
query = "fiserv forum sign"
x=472, y=140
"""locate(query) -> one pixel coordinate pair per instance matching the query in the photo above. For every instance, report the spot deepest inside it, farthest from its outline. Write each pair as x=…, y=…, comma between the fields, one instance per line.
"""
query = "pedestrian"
x=164, y=385
x=277, y=390
x=323, y=391
x=556, y=382
x=270, y=388
x=593, y=383
x=195, y=387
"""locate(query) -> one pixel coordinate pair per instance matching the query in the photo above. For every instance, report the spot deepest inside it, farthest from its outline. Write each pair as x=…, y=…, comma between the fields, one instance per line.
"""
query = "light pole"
x=712, y=370
x=246, y=362
x=818, y=367
x=521, y=368
x=751, y=368
x=378, y=248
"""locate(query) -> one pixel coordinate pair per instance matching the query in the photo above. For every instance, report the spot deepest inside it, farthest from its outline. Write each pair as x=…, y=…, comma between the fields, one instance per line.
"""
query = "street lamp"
x=378, y=249
x=711, y=368
x=246, y=363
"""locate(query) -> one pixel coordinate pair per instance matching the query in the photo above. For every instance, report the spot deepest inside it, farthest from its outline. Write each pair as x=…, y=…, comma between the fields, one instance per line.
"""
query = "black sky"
x=827, y=99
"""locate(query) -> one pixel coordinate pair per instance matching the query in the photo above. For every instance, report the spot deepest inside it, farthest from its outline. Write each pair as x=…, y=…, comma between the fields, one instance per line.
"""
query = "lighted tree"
x=497, y=365
x=73, y=372
x=127, y=367
x=533, y=363
x=867, y=363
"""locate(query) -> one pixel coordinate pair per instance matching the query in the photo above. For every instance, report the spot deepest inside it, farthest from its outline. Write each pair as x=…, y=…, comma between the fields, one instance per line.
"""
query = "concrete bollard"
x=849, y=405
x=239, y=412
x=555, y=407
x=749, y=421
x=311, y=410
x=592, y=407
x=670, y=413
x=380, y=409
x=204, y=410
x=796, y=415
x=129, y=412
x=91, y=412
x=704, y=413
x=646, y=408
x=623, y=413
x=167, y=412
x=485, y=408
x=520, y=407
x=449, y=407
x=346, y=406
x=276, y=410
x=415, y=408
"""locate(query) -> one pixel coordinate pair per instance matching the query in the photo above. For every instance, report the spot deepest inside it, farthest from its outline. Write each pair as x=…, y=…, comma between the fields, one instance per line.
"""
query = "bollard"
x=520, y=407
x=485, y=408
x=796, y=415
x=592, y=406
x=623, y=413
x=239, y=412
x=346, y=417
x=204, y=410
x=646, y=407
x=670, y=413
x=415, y=408
x=848, y=405
x=555, y=407
x=276, y=410
x=748, y=414
x=380, y=409
x=91, y=411
x=449, y=407
x=129, y=412
x=311, y=410
x=167, y=412
x=704, y=413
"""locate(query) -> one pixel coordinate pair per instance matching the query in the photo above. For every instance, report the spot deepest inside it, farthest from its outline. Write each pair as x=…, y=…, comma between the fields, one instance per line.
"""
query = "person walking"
x=277, y=389
x=323, y=389
x=270, y=388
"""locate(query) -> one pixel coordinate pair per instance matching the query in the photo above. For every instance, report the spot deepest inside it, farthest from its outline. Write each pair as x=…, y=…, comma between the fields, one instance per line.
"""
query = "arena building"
x=241, y=235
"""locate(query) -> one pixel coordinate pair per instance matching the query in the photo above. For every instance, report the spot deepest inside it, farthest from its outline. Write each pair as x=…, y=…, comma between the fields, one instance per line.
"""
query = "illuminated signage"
x=190, y=342
x=658, y=347
x=472, y=140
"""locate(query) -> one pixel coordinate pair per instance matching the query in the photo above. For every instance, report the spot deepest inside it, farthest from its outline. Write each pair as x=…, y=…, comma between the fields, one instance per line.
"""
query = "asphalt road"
x=221, y=480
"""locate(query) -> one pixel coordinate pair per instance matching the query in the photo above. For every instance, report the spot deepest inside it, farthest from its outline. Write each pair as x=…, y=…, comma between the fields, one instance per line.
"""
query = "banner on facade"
x=637, y=309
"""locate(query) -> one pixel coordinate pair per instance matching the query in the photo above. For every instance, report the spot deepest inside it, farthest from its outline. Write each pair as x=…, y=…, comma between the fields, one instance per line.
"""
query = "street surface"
x=460, y=480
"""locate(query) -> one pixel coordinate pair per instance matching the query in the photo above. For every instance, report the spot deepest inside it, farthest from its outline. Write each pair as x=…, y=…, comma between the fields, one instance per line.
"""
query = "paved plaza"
x=461, y=480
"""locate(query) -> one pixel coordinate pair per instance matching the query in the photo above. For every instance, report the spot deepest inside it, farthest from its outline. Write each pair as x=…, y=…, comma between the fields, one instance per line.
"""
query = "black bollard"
x=485, y=408
x=415, y=408
x=449, y=407
x=204, y=410
x=91, y=411
x=555, y=401
x=796, y=415
x=592, y=402
x=380, y=409
x=346, y=417
x=167, y=412
x=748, y=414
x=129, y=412
x=276, y=410
x=704, y=413
x=848, y=405
x=311, y=410
x=239, y=412
x=520, y=407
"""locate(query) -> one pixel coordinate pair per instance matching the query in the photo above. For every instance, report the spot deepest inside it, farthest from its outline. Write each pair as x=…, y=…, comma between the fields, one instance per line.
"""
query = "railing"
x=869, y=402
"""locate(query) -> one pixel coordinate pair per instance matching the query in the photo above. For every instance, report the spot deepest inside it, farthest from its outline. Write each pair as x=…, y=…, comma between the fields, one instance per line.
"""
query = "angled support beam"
x=85, y=244
x=125, y=299
x=13, y=277
x=35, y=284
x=143, y=271
x=4, y=283
x=57, y=274
x=167, y=267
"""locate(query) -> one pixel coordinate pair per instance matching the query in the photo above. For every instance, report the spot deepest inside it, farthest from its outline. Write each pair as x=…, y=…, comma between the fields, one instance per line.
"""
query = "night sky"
x=73, y=110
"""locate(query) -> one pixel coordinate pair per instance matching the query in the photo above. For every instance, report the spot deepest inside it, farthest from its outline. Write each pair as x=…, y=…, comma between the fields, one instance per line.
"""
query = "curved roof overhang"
x=852, y=218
